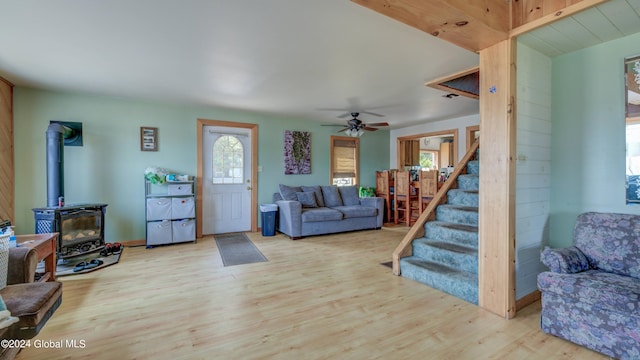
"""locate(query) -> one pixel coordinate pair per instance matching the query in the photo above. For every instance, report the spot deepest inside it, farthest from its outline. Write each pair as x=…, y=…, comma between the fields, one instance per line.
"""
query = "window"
x=228, y=160
x=345, y=154
x=428, y=159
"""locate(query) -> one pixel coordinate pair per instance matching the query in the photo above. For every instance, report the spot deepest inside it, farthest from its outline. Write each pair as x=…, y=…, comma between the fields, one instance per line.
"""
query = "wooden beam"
x=496, y=228
x=473, y=25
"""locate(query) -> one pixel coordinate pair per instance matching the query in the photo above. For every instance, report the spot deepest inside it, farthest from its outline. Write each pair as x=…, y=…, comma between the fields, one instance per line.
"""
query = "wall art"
x=297, y=152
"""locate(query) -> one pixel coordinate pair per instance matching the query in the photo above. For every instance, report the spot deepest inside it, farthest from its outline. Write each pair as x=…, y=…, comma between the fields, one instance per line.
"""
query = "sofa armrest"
x=22, y=265
x=378, y=203
x=290, y=217
x=568, y=260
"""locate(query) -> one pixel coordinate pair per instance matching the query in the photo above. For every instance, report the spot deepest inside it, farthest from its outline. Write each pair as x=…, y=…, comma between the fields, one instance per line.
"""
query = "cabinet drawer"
x=158, y=208
x=184, y=230
x=179, y=189
x=183, y=208
x=159, y=232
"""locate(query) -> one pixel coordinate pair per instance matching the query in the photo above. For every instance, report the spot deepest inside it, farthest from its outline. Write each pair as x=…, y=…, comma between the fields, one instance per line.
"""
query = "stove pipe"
x=55, y=164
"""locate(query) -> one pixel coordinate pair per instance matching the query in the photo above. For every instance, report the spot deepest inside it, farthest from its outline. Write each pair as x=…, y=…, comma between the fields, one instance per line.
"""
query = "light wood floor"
x=324, y=297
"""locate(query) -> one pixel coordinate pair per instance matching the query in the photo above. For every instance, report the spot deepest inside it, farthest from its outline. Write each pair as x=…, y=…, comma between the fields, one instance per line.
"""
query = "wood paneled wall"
x=7, y=173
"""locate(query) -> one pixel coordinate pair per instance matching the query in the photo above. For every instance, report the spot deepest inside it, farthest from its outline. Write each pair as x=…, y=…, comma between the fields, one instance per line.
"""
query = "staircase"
x=446, y=256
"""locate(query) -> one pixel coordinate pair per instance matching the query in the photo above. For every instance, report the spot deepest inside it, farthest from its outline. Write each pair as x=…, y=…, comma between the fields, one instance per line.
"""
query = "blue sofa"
x=591, y=295
x=317, y=210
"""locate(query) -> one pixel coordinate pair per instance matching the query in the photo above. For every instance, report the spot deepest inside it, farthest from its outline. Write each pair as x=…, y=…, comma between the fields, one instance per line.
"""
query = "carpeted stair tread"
x=446, y=246
x=452, y=232
x=445, y=253
x=458, y=283
x=469, y=182
x=473, y=167
x=462, y=197
x=456, y=226
x=457, y=213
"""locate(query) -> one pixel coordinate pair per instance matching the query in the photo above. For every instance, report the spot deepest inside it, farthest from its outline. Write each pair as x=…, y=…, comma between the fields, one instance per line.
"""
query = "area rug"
x=66, y=267
x=237, y=249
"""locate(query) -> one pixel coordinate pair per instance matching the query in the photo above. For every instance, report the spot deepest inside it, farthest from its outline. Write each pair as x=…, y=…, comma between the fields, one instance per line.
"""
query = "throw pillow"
x=289, y=192
x=331, y=196
x=318, y=191
x=307, y=199
x=349, y=195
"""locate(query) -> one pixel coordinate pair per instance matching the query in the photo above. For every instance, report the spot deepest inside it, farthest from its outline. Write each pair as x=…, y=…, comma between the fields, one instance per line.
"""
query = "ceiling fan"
x=355, y=126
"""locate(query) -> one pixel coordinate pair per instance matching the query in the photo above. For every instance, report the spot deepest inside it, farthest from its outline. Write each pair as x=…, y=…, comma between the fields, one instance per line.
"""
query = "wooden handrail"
x=404, y=249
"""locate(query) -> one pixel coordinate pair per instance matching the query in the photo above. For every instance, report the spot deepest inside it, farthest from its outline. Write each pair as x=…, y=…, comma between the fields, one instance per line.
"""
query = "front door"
x=226, y=200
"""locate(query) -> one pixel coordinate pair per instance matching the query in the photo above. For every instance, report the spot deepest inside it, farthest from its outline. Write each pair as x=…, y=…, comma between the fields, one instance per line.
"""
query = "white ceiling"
x=291, y=58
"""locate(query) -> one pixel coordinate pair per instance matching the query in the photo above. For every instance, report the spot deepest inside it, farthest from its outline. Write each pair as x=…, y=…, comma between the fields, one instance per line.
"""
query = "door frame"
x=201, y=123
x=450, y=132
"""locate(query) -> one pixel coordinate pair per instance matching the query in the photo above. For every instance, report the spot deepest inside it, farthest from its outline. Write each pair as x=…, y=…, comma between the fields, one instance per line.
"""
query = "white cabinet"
x=170, y=212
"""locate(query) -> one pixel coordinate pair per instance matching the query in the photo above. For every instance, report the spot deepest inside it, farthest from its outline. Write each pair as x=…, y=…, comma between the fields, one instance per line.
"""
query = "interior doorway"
x=432, y=150
x=239, y=183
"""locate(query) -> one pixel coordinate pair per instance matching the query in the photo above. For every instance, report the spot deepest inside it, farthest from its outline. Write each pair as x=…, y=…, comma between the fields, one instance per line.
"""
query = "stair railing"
x=405, y=249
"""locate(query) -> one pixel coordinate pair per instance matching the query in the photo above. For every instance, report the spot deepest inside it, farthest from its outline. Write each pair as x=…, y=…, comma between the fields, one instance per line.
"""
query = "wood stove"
x=81, y=227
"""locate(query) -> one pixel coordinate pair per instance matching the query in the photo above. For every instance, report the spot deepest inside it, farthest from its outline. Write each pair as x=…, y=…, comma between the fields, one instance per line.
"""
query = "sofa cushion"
x=610, y=241
x=605, y=290
x=307, y=199
x=331, y=196
x=356, y=211
x=316, y=190
x=320, y=214
x=350, y=195
x=289, y=192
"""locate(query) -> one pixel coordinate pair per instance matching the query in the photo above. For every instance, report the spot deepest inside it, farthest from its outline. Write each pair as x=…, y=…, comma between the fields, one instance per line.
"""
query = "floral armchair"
x=591, y=295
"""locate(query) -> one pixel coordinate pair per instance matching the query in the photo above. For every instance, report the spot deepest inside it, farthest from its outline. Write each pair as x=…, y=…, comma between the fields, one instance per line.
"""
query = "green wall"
x=109, y=167
x=588, y=134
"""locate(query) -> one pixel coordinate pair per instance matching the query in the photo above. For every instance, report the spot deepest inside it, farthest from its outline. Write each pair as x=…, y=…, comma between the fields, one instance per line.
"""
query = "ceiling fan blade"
x=371, y=113
x=378, y=124
x=344, y=129
x=330, y=125
x=342, y=116
x=369, y=128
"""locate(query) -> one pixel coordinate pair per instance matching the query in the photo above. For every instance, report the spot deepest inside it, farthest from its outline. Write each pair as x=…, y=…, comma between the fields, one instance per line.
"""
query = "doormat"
x=66, y=267
x=237, y=249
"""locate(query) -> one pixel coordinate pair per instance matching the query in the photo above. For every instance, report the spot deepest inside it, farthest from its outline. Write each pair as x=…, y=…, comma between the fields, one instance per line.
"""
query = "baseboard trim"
x=527, y=300
x=129, y=243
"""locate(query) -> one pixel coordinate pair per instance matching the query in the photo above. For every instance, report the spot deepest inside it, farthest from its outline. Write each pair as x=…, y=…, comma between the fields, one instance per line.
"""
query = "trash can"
x=269, y=212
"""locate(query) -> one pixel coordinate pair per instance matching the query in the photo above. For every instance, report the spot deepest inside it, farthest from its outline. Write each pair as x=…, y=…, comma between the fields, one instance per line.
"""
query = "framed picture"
x=297, y=152
x=632, y=76
x=148, y=138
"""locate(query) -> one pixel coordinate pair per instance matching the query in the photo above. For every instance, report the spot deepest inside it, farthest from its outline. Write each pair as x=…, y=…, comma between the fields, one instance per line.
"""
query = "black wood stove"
x=80, y=226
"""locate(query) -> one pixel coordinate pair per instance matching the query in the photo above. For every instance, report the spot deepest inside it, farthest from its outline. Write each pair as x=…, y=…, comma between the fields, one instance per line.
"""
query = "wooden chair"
x=405, y=198
x=428, y=187
x=384, y=190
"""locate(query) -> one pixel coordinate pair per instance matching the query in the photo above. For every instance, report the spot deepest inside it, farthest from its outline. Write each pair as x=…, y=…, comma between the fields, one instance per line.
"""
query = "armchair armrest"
x=22, y=265
x=569, y=260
